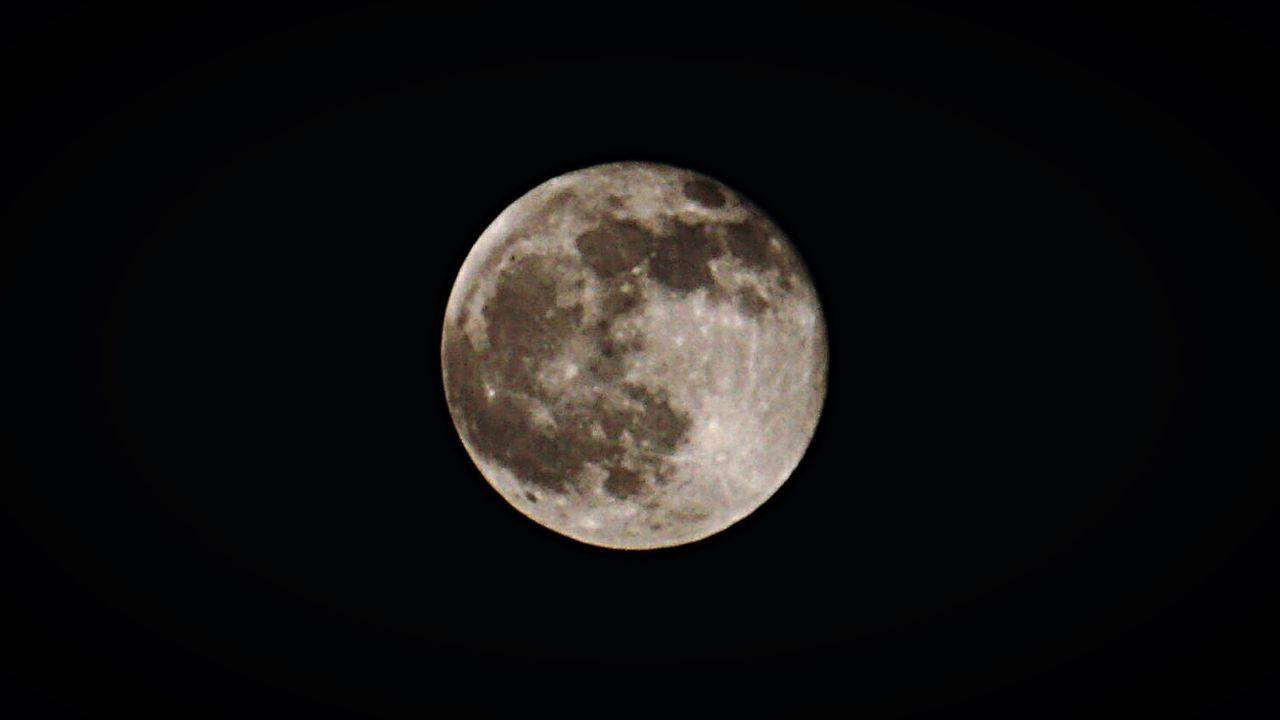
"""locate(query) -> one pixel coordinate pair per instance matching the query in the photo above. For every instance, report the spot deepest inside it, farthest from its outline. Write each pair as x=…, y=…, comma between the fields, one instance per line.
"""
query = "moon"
x=634, y=355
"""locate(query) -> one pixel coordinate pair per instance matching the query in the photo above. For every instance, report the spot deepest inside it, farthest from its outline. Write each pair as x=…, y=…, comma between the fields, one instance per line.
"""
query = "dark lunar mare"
x=527, y=328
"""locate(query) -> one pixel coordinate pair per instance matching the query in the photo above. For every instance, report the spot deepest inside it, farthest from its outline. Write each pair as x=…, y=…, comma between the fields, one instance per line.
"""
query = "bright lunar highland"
x=634, y=355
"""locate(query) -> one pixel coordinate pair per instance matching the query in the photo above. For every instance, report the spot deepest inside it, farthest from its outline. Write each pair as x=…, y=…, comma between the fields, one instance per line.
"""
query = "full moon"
x=634, y=355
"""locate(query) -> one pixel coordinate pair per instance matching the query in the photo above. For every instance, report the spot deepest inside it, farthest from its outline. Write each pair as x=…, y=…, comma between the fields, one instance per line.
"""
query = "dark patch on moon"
x=614, y=246
x=623, y=483
x=526, y=325
x=705, y=193
x=750, y=301
x=526, y=328
x=612, y=423
x=609, y=365
x=508, y=435
x=681, y=255
x=609, y=362
x=658, y=425
x=678, y=257
x=749, y=242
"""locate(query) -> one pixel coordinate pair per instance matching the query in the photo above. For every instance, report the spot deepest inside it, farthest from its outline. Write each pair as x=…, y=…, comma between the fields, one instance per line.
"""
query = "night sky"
x=1042, y=483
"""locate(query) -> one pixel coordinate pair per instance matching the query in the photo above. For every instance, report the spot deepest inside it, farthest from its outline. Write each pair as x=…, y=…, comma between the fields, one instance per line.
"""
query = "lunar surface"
x=634, y=355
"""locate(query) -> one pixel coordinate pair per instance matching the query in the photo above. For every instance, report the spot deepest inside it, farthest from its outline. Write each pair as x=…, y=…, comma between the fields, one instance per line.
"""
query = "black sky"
x=1040, y=484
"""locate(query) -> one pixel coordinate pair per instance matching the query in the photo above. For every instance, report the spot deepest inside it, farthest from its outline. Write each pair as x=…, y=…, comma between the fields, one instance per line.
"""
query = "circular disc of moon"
x=634, y=355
